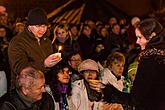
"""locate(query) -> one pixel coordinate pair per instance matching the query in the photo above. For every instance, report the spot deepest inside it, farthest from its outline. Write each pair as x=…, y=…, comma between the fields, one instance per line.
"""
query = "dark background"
x=94, y=9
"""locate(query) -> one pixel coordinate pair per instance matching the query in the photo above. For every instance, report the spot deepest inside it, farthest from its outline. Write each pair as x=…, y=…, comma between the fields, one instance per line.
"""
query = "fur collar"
x=157, y=54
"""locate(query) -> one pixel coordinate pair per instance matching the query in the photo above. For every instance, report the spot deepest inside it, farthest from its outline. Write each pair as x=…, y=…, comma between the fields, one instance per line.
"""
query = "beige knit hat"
x=88, y=65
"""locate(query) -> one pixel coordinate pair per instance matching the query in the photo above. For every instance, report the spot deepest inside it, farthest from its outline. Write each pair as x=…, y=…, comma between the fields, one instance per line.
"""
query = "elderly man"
x=30, y=93
x=32, y=47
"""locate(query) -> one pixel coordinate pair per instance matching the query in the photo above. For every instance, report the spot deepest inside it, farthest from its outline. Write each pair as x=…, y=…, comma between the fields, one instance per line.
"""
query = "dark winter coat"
x=25, y=50
x=13, y=101
x=148, y=91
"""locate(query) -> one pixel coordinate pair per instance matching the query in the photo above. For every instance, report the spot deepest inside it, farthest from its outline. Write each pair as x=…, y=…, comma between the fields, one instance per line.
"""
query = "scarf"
x=63, y=89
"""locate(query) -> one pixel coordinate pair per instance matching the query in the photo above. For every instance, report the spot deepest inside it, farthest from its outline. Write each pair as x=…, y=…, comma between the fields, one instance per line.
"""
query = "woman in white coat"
x=83, y=97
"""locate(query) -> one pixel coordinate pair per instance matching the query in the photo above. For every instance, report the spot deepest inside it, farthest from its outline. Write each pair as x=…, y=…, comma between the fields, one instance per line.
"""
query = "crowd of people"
x=93, y=66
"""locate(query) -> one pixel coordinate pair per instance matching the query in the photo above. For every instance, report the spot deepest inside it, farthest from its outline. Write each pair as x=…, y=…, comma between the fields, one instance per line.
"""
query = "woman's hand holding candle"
x=58, y=53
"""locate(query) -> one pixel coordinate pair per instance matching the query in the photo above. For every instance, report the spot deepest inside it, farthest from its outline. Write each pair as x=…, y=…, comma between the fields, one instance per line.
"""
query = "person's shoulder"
x=47, y=97
x=8, y=98
x=3, y=98
x=47, y=101
x=106, y=71
x=17, y=38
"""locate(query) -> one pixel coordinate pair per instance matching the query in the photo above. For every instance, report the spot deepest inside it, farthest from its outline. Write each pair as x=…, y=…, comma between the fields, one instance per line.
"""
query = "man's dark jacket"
x=25, y=50
x=13, y=101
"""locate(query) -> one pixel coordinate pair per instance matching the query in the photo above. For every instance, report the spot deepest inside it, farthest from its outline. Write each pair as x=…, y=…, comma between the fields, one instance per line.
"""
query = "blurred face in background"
x=116, y=29
x=123, y=21
x=117, y=67
x=3, y=19
x=19, y=27
x=104, y=32
x=87, y=31
x=75, y=61
x=2, y=32
x=74, y=31
x=61, y=34
x=112, y=21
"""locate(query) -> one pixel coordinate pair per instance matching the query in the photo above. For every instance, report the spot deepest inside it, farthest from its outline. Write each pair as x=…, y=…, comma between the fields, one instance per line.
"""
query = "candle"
x=59, y=48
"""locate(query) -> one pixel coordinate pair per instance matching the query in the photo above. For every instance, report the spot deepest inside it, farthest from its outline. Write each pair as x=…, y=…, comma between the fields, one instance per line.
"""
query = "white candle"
x=59, y=48
x=58, y=54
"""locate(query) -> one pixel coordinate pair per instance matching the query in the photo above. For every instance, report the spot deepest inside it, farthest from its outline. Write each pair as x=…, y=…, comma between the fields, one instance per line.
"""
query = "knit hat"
x=37, y=16
x=88, y=65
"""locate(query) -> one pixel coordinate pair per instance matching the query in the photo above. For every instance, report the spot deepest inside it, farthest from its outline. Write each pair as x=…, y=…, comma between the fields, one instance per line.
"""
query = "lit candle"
x=59, y=48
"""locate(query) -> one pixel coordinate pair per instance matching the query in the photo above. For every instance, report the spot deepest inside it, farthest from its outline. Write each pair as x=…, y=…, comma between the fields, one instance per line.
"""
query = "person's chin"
x=39, y=97
x=65, y=82
x=39, y=36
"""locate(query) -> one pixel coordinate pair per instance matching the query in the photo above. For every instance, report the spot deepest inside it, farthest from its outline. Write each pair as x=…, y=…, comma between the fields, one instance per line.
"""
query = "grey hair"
x=27, y=77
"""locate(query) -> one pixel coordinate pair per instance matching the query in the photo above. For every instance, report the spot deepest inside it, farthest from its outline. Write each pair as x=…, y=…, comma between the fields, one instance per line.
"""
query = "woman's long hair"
x=55, y=84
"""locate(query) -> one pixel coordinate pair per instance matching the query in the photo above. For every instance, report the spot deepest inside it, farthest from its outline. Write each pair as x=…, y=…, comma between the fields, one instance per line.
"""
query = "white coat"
x=108, y=77
x=80, y=97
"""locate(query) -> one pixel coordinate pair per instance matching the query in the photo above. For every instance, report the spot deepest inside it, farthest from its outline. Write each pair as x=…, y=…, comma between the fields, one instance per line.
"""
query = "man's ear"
x=25, y=90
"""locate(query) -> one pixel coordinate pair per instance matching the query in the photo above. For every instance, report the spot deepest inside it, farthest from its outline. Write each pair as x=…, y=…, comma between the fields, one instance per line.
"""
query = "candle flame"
x=59, y=48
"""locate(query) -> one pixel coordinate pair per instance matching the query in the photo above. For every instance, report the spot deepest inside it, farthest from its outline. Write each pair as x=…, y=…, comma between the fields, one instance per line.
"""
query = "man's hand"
x=52, y=60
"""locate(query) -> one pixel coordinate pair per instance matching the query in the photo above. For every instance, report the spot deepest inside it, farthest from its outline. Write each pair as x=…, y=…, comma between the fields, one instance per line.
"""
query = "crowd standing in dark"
x=58, y=49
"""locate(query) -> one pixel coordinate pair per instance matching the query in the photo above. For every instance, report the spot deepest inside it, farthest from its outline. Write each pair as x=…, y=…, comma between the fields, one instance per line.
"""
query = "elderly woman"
x=112, y=74
x=149, y=86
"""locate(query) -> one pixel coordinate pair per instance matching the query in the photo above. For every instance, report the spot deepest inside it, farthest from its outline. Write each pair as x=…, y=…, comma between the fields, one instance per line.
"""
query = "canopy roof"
x=79, y=10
